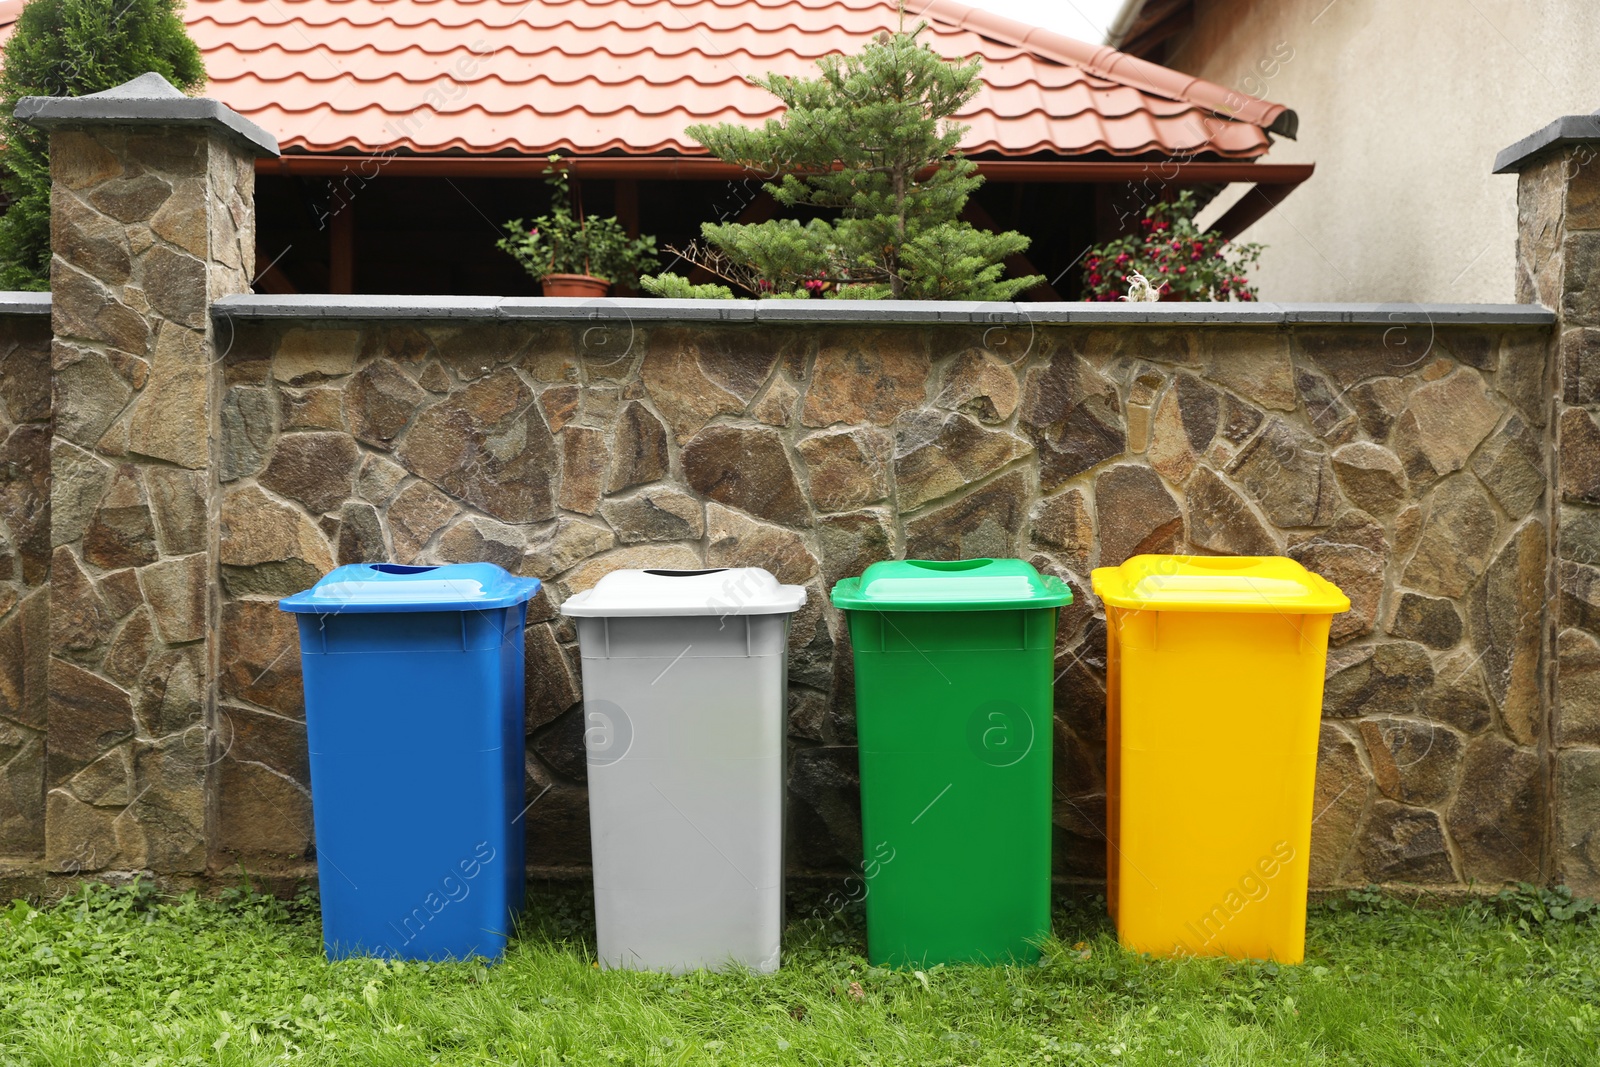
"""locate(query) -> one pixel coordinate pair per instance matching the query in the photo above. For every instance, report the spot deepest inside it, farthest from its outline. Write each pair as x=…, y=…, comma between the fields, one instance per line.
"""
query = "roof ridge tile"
x=1103, y=59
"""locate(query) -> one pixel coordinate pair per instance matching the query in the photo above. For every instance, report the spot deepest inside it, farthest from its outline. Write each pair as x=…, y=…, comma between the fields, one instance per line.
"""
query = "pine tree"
x=72, y=48
x=870, y=139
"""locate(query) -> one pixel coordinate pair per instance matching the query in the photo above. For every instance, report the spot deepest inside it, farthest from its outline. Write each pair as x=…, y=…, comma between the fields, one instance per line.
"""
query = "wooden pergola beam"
x=701, y=168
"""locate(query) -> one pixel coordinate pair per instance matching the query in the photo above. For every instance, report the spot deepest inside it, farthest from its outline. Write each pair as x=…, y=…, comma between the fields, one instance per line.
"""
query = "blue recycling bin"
x=414, y=718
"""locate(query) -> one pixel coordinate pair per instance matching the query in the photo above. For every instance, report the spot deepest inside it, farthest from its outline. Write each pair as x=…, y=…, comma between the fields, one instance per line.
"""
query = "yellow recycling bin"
x=1214, y=674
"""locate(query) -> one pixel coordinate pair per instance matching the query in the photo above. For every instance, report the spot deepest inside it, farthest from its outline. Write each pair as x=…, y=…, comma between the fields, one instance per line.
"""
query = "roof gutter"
x=1104, y=61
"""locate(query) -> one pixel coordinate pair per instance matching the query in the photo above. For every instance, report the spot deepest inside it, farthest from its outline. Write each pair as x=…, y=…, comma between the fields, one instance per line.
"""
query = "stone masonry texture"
x=1407, y=465
x=1558, y=206
x=169, y=471
x=24, y=581
x=111, y=748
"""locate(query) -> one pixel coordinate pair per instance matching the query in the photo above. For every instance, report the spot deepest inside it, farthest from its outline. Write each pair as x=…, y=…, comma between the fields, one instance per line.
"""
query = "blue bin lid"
x=372, y=587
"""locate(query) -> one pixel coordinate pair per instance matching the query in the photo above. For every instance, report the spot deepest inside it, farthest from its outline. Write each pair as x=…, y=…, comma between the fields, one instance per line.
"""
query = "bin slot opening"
x=422, y=590
x=1178, y=588
x=399, y=568
x=949, y=564
x=685, y=574
x=993, y=587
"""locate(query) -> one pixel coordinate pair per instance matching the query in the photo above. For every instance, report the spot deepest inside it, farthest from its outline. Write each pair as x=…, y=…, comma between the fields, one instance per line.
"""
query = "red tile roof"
x=627, y=76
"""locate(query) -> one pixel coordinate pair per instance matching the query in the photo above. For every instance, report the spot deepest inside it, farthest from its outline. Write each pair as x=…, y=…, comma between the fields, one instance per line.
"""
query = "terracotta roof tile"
x=536, y=76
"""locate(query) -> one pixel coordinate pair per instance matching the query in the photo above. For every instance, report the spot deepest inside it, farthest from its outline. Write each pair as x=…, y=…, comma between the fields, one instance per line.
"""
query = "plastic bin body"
x=414, y=722
x=954, y=716
x=685, y=709
x=1213, y=705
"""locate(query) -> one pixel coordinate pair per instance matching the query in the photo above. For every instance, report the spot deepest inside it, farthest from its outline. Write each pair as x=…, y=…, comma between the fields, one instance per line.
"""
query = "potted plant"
x=571, y=254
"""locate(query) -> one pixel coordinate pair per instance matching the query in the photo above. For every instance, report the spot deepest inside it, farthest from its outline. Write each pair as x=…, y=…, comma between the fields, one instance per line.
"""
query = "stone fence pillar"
x=152, y=218
x=1558, y=265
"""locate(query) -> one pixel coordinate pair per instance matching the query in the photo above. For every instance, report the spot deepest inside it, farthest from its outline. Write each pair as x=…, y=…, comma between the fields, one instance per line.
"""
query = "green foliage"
x=1174, y=255
x=677, y=287
x=1371, y=900
x=1532, y=906
x=125, y=976
x=561, y=242
x=72, y=48
x=869, y=140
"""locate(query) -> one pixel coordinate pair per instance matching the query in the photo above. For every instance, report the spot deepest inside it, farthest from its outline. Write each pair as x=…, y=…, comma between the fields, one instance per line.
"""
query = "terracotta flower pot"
x=574, y=285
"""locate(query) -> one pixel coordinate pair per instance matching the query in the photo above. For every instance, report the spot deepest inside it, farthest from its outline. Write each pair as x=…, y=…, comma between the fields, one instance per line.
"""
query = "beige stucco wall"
x=1402, y=108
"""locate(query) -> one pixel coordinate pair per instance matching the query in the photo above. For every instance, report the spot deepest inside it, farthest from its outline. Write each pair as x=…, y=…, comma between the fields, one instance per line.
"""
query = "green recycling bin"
x=953, y=663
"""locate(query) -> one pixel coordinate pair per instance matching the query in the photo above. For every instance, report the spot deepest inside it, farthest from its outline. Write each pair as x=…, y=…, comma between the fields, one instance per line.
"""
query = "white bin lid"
x=721, y=591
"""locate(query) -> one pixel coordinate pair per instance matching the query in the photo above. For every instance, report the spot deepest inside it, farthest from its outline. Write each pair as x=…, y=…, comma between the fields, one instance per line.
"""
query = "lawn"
x=123, y=976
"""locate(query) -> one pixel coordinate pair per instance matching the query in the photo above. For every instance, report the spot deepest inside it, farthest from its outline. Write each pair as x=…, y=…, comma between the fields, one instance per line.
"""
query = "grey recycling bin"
x=685, y=703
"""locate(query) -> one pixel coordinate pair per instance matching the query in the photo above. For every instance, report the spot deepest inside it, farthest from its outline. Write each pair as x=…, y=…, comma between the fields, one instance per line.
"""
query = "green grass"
x=121, y=976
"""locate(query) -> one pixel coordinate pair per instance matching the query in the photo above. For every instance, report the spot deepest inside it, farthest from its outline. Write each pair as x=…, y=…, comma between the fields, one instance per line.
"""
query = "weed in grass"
x=1532, y=906
x=123, y=976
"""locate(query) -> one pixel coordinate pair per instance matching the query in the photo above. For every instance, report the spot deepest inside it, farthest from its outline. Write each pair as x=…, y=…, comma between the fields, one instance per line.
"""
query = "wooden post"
x=342, y=247
x=627, y=197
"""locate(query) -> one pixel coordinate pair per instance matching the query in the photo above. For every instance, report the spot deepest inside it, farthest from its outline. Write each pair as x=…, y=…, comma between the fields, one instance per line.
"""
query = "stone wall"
x=209, y=451
x=1558, y=260
x=148, y=228
x=1407, y=462
x=24, y=571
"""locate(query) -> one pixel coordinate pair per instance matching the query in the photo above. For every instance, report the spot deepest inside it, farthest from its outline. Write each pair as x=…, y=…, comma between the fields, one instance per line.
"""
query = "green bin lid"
x=951, y=585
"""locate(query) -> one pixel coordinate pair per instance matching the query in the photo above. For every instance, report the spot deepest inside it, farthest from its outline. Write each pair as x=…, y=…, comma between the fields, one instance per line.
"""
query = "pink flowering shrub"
x=1180, y=261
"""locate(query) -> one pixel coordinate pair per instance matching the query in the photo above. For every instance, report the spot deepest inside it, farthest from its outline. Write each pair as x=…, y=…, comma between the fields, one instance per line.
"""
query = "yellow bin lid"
x=1218, y=583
